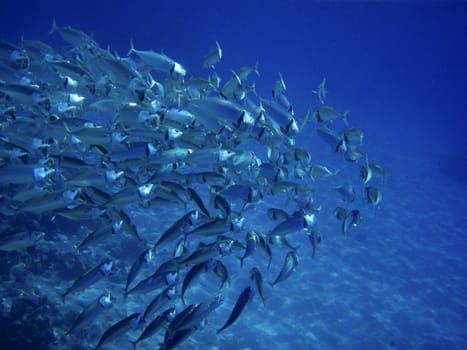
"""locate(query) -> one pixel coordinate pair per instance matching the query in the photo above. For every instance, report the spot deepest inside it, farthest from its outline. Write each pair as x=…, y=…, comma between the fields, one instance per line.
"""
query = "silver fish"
x=213, y=57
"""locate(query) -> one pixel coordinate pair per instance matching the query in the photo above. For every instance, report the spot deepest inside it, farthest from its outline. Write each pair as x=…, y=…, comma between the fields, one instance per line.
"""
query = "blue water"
x=400, y=280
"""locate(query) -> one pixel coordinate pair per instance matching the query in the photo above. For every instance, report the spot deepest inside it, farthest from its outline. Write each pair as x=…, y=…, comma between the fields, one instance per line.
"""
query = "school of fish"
x=167, y=188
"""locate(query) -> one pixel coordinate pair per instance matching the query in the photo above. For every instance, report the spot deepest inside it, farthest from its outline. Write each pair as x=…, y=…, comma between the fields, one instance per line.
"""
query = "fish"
x=279, y=86
x=195, y=315
x=101, y=233
x=199, y=202
x=220, y=270
x=159, y=301
x=133, y=161
x=91, y=311
x=340, y=213
x=159, y=62
x=321, y=171
x=244, y=72
x=290, y=264
x=71, y=35
x=293, y=224
x=277, y=214
x=21, y=240
x=337, y=143
x=257, y=279
x=265, y=247
x=353, y=135
x=213, y=56
x=315, y=238
x=90, y=277
x=243, y=300
x=251, y=243
x=377, y=170
x=321, y=92
x=219, y=202
x=121, y=327
x=201, y=255
x=213, y=227
x=366, y=173
x=281, y=241
x=327, y=113
x=188, y=321
x=155, y=281
x=159, y=322
x=178, y=227
x=351, y=220
x=354, y=153
x=373, y=195
x=347, y=192
x=145, y=257
x=194, y=272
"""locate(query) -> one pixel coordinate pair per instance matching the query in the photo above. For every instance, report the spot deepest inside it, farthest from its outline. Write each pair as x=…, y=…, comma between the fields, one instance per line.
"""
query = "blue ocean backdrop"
x=399, y=280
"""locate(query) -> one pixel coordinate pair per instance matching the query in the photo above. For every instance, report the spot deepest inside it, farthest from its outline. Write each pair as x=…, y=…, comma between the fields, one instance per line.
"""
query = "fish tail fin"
x=305, y=119
x=241, y=258
x=344, y=117
x=78, y=248
x=134, y=343
x=271, y=284
x=132, y=48
x=314, y=116
x=310, y=172
x=255, y=68
x=252, y=88
x=54, y=27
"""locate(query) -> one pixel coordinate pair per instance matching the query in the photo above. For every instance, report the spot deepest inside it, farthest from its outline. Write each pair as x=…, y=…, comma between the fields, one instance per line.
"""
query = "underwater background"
x=400, y=67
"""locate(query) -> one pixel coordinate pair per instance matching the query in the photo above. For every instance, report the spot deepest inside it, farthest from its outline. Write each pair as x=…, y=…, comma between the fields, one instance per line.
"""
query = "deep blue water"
x=400, y=280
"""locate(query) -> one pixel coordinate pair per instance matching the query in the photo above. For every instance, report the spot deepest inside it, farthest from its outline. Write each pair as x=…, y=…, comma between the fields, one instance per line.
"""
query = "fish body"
x=159, y=301
x=91, y=311
x=213, y=227
x=251, y=243
x=155, y=281
x=119, y=328
x=195, y=271
x=257, y=279
x=90, y=277
x=159, y=322
x=321, y=92
x=145, y=257
x=277, y=214
x=293, y=224
x=351, y=220
x=213, y=57
x=288, y=267
x=21, y=241
x=353, y=136
x=347, y=192
x=245, y=297
x=327, y=113
x=159, y=62
x=373, y=195
x=176, y=229
x=314, y=238
x=366, y=173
